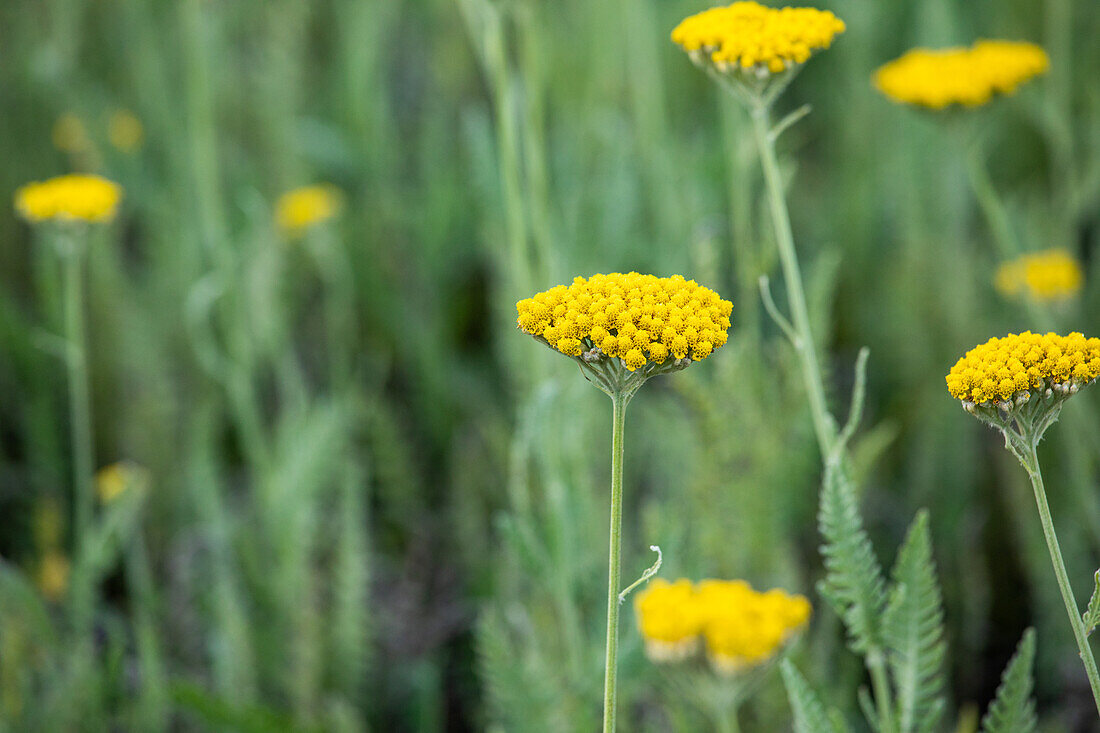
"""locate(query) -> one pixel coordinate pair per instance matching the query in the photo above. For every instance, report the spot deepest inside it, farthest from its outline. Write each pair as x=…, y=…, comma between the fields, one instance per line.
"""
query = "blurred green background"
x=372, y=503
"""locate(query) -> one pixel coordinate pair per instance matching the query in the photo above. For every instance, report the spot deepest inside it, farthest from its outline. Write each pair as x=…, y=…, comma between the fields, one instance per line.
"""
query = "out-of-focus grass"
x=420, y=545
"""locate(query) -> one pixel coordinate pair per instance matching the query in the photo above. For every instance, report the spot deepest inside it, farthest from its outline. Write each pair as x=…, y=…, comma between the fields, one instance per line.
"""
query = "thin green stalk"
x=618, y=421
x=1031, y=464
x=726, y=720
x=792, y=276
x=992, y=207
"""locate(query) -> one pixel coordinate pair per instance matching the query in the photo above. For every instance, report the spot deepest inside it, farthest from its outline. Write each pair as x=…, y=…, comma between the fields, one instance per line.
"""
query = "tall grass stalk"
x=619, y=402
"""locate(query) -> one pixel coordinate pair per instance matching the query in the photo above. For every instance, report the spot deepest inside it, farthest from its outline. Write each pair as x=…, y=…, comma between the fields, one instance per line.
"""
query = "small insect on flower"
x=73, y=197
x=750, y=39
x=298, y=210
x=1046, y=276
x=937, y=79
x=118, y=478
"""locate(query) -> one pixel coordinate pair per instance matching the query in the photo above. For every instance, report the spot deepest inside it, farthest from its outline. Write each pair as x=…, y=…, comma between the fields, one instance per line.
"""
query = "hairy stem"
x=618, y=420
x=1031, y=464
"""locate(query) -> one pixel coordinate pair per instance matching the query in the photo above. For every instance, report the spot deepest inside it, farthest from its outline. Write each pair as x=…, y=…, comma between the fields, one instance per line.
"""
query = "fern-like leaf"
x=810, y=715
x=1092, y=613
x=912, y=630
x=1013, y=709
x=853, y=583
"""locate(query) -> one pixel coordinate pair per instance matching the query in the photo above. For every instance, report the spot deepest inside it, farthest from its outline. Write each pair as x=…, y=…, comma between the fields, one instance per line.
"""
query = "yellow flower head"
x=646, y=322
x=668, y=619
x=125, y=131
x=750, y=36
x=967, y=76
x=53, y=575
x=113, y=481
x=743, y=627
x=1011, y=371
x=302, y=208
x=69, y=134
x=73, y=197
x=1043, y=276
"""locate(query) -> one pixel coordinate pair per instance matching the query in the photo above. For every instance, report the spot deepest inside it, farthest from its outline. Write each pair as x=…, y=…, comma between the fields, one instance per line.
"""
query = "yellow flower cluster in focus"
x=1043, y=276
x=1016, y=365
x=116, y=479
x=966, y=76
x=298, y=210
x=748, y=34
x=68, y=198
x=740, y=627
x=638, y=318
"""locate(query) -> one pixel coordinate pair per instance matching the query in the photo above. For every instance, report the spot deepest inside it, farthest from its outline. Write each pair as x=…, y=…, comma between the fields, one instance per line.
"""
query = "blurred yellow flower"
x=297, y=210
x=1025, y=366
x=751, y=36
x=740, y=627
x=968, y=76
x=53, y=575
x=641, y=319
x=67, y=198
x=1053, y=274
x=114, y=480
x=69, y=134
x=125, y=131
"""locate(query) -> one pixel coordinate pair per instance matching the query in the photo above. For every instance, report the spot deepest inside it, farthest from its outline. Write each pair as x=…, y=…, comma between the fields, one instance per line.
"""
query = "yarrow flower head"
x=623, y=329
x=1024, y=379
x=298, y=210
x=114, y=480
x=937, y=79
x=1046, y=276
x=740, y=628
x=125, y=131
x=750, y=41
x=69, y=198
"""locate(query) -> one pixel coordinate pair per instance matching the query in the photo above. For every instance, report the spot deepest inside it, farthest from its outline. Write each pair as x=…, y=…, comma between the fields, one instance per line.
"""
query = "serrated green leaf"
x=913, y=632
x=853, y=583
x=1092, y=613
x=810, y=716
x=1013, y=709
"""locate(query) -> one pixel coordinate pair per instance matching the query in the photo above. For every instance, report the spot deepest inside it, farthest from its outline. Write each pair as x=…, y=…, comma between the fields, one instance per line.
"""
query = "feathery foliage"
x=1091, y=617
x=1013, y=709
x=810, y=715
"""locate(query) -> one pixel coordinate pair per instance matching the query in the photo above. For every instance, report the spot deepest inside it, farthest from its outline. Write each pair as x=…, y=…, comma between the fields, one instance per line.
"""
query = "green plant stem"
x=993, y=208
x=80, y=421
x=618, y=422
x=792, y=276
x=1031, y=464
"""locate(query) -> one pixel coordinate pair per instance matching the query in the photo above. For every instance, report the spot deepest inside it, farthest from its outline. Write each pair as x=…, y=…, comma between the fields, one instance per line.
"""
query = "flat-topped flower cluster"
x=1053, y=274
x=637, y=318
x=739, y=627
x=1017, y=367
x=73, y=197
x=968, y=76
x=748, y=35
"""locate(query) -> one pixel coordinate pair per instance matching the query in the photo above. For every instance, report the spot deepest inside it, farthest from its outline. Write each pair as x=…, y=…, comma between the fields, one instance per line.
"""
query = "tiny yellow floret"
x=750, y=36
x=53, y=575
x=937, y=79
x=73, y=197
x=302, y=208
x=125, y=131
x=1046, y=276
x=116, y=479
x=69, y=134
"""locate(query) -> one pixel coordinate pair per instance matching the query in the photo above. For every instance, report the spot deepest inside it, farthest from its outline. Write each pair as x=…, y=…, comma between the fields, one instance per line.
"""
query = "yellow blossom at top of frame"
x=68, y=198
x=69, y=134
x=116, y=479
x=740, y=627
x=748, y=34
x=641, y=319
x=968, y=76
x=1002, y=367
x=298, y=210
x=125, y=131
x=1053, y=274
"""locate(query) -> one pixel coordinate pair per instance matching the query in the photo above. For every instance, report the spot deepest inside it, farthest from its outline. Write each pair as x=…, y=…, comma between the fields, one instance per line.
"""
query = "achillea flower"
x=298, y=210
x=1043, y=276
x=740, y=628
x=69, y=134
x=647, y=324
x=749, y=37
x=73, y=197
x=125, y=131
x=53, y=575
x=113, y=481
x=966, y=76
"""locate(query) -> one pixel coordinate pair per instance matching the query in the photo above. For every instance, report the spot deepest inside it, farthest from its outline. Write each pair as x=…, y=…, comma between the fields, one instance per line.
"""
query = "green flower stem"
x=619, y=401
x=824, y=424
x=80, y=419
x=994, y=210
x=1031, y=464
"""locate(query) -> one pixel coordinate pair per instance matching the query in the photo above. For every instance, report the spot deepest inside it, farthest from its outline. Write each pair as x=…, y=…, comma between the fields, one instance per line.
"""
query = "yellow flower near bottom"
x=297, y=210
x=53, y=575
x=1045, y=276
x=73, y=197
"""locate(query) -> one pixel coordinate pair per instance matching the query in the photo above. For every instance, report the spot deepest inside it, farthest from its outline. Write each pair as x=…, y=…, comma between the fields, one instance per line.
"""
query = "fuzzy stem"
x=618, y=422
x=1031, y=464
